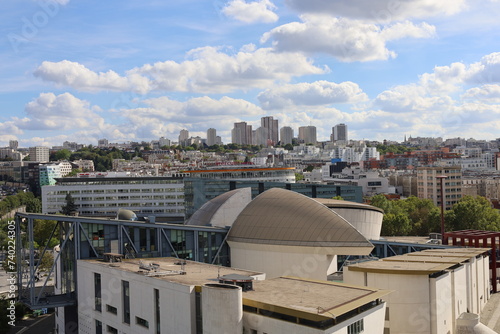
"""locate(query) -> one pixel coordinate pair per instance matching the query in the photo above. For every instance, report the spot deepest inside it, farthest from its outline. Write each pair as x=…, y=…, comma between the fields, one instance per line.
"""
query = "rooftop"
x=319, y=299
x=420, y=263
x=294, y=297
x=169, y=269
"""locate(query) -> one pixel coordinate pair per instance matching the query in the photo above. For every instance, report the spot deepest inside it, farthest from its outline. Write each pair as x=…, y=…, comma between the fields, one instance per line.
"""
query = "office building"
x=102, y=194
x=286, y=135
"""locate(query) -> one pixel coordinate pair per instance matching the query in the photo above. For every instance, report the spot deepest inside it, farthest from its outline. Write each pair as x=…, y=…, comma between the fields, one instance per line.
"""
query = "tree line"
x=419, y=217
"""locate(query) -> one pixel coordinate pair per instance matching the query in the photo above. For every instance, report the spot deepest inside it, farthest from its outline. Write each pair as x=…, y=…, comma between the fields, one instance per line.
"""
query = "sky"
x=79, y=71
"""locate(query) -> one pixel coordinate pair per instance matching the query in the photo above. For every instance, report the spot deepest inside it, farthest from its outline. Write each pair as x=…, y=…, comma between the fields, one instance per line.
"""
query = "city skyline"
x=74, y=71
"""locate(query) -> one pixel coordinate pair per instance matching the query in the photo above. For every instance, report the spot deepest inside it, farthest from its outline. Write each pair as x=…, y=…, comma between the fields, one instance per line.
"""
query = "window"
x=112, y=330
x=98, y=327
x=126, y=301
x=356, y=328
x=142, y=322
x=97, y=291
x=157, y=309
x=111, y=309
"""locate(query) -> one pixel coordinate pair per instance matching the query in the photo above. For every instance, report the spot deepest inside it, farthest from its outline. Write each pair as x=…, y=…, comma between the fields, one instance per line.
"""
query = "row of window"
x=111, y=191
x=126, y=316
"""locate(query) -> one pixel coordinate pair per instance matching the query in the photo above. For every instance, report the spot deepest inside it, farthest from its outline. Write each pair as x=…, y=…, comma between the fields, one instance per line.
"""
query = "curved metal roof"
x=203, y=216
x=284, y=217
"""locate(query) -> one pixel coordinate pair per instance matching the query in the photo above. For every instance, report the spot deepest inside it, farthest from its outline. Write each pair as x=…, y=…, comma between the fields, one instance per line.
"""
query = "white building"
x=370, y=182
x=431, y=288
x=101, y=195
x=166, y=295
x=84, y=165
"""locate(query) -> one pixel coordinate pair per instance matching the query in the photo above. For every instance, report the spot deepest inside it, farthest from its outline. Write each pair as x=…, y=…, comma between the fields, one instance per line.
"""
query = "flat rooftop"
x=169, y=269
x=310, y=299
x=296, y=297
x=420, y=263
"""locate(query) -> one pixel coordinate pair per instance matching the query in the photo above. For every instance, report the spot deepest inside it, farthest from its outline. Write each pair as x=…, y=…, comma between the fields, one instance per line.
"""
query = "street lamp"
x=441, y=178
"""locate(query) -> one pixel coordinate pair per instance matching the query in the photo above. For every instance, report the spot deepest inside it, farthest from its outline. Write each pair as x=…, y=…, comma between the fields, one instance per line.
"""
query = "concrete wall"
x=179, y=299
x=441, y=291
x=429, y=304
x=277, y=261
x=408, y=306
x=367, y=222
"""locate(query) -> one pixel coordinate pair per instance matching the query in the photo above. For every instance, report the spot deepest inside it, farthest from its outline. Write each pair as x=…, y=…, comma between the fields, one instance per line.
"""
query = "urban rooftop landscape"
x=250, y=167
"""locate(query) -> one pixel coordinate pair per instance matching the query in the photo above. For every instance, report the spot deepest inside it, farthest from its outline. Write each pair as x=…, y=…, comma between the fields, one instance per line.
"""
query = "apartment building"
x=429, y=184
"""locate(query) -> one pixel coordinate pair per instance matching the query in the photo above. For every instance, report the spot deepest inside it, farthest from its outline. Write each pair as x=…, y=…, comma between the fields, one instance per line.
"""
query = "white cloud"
x=251, y=12
x=207, y=71
x=451, y=78
x=311, y=94
x=488, y=93
x=166, y=117
x=407, y=98
x=72, y=74
x=344, y=39
x=380, y=10
x=61, y=112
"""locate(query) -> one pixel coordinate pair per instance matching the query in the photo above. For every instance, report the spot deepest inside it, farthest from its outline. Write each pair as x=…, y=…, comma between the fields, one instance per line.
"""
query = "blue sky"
x=131, y=71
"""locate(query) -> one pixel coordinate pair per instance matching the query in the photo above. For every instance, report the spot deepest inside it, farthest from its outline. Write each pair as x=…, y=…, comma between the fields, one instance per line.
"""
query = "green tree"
x=397, y=224
x=34, y=205
x=46, y=262
x=63, y=154
x=288, y=147
x=299, y=176
x=472, y=213
x=309, y=168
x=42, y=230
x=380, y=201
x=70, y=207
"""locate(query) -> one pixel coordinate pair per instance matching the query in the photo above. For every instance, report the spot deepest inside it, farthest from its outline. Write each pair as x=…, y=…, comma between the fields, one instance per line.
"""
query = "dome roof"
x=284, y=217
x=223, y=209
x=124, y=214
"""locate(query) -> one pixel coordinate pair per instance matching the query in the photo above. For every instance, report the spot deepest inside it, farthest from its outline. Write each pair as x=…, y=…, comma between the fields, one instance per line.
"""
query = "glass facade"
x=198, y=191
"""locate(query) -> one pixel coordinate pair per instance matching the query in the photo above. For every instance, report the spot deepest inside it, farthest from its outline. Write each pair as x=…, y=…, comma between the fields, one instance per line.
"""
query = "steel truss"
x=77, y=243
